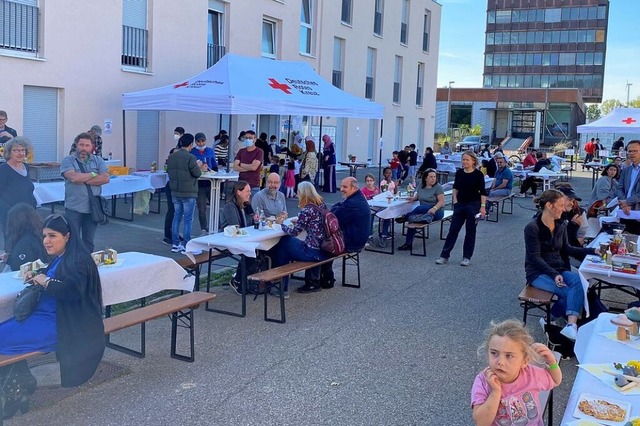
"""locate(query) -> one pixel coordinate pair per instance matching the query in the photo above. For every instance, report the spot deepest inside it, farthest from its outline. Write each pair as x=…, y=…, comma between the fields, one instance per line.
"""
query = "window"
x=338, y=60
x=378, y=16
x=397, y=79
x=552, y=15
x=19, y=30
x=215, y=33
x=488, y=60
x=369, y=87
x=135, y=37
x=491, y=17
x=420, y=84
x=568, y=59
x=420, y=136
x=268, y=39
x=347, y=11
x=399, y=132
x=306, y=26
x=503, y=16
x=404, y=23
x=426, y=28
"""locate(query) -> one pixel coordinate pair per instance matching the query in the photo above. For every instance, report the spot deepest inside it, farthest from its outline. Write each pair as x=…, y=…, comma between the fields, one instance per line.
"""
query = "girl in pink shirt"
x=506, y=392
x=370, y=189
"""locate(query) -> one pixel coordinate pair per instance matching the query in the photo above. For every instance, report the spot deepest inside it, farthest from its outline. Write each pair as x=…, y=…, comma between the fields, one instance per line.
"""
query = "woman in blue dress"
x=67, y=319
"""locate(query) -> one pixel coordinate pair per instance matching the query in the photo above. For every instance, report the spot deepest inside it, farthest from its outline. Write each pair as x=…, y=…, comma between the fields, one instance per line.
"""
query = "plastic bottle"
x=165, y=166
x=256, y=220
x=609, y=257
x=262, y=220
x=110, y=155
x=154, y=167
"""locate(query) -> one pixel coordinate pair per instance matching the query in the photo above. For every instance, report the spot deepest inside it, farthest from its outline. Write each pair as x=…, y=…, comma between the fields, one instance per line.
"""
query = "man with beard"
x=270, y=199
x=82, y=171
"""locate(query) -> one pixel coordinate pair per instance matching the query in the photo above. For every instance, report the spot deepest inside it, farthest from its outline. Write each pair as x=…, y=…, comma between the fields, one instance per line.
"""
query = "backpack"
x=333, y=242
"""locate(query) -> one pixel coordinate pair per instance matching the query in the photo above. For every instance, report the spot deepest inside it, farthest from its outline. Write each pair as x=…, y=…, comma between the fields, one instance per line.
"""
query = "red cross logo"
x=628, y=120
x=285, y=88
x=177, y=86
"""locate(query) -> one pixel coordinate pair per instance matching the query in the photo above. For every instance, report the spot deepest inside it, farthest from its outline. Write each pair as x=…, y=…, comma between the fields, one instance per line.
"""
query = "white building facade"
x=65, y=65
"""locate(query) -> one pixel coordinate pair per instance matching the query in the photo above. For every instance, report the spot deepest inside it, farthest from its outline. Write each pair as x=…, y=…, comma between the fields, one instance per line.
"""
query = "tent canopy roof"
x=620, y=120
x=244, y=85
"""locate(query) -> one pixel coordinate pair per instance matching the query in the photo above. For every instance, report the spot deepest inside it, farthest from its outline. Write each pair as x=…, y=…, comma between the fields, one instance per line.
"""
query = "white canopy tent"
x=620, y=120
x=246, y=85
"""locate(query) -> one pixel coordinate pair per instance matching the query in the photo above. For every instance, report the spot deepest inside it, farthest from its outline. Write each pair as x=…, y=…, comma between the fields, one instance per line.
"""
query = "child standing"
x=506, y=392
x=394, y=163
x=290, y=180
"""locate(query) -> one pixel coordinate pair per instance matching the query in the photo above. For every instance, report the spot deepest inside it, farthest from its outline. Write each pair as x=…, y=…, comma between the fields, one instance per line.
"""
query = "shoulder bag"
x=98, y=204
x=27, y=301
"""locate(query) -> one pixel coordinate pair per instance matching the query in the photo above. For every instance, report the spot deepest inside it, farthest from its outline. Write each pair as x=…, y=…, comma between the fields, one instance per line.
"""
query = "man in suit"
x=628, y=191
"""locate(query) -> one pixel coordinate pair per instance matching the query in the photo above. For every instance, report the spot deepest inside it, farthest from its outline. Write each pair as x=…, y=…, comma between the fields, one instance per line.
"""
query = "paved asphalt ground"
x=402, y=350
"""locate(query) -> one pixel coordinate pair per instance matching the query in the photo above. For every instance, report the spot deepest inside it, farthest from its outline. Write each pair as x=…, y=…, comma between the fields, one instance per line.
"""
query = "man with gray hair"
x=270, y=199
x=354, y=217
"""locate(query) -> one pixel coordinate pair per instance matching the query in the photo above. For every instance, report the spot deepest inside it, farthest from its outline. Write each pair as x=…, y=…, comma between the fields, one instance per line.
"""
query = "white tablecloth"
x=393, y=209
x=547, y=178
x=446, y=167
x=52, y=192
x=593, y=348
x=139, y=275
x=246, y=245
x=157, y=179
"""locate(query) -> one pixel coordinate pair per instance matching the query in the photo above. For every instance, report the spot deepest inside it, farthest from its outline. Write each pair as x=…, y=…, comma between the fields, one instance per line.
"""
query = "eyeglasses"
x=55, y=216
x=18, y=150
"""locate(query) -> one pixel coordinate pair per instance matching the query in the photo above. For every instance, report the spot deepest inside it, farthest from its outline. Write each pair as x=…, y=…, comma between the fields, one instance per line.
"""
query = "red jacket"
x=590, y=148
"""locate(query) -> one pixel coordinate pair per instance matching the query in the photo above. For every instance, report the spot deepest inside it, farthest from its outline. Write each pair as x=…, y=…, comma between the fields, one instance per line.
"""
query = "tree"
x=609, y=105
x=635, y=103
x=593, y=112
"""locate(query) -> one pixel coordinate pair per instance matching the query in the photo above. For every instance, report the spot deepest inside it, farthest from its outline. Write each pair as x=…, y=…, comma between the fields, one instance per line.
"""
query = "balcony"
x=19, y=30
x=135, y=42
x=214, y=54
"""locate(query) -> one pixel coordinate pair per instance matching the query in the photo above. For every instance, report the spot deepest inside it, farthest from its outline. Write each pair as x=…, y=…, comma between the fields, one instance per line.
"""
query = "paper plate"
x=586, y=397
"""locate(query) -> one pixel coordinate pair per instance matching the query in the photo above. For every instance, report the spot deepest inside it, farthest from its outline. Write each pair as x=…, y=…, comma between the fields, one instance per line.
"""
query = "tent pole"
x=124, y=139
x=289, y=132
x=320, y=153
x=229, y=146
x=380, y=157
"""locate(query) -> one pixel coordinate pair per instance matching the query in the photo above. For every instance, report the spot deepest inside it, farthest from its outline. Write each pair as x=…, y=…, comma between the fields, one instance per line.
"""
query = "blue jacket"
x=207, y=156
x=354, y=216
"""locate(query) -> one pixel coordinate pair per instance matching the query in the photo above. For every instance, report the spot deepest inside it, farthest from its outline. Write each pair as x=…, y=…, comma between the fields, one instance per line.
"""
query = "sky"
x=462, y=46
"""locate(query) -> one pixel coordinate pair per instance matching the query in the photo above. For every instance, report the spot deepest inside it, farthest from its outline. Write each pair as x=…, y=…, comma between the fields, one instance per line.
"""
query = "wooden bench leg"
x=355, y=259
x=124, y=349
x=283, y=318
x=182, y=319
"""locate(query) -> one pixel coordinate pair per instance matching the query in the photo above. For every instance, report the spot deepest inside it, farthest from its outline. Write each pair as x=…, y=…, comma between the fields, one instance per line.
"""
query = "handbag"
x=98, y=205
x=27, y=301
x=595, y=208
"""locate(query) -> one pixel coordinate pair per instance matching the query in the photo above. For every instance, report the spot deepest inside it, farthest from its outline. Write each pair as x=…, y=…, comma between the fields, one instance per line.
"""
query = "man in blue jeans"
x=184, y=170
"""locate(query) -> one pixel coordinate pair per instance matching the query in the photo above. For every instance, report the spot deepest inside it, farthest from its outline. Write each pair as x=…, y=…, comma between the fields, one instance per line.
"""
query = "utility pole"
x=628, y=89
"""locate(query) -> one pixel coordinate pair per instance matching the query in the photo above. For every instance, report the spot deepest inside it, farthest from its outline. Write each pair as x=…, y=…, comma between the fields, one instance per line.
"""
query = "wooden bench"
x=534, y=298
x=276, y=275
x=422, y=231
x=495, y=202
x=179, y=308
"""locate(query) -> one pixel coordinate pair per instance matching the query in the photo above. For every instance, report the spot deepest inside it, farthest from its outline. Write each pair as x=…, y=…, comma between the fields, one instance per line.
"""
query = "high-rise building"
x=547, y=44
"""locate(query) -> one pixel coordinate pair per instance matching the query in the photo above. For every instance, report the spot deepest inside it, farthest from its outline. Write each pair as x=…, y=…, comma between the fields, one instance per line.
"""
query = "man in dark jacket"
x=184, y=170
x=353, y=214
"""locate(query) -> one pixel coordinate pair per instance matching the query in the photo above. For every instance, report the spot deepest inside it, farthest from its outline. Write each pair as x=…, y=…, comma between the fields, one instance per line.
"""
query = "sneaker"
x=235, y=286
x=520, y=195
x=570, y=331
x=195, y=252
x=177, y=248
x=465, y=262
x=543, y=324
x=167, y=241
x=310, y=287
x=273, y=291
x=441, y=261
x=404, y=247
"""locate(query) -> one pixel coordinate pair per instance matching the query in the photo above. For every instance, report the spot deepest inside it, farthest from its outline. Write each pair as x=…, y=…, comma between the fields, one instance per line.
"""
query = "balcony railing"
x=214, y=54
x=19, y=26
x=135, y=42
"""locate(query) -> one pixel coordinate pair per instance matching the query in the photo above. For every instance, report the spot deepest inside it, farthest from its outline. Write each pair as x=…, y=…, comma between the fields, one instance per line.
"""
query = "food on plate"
x=630, y=369
x=620, y=380
x=602, y=410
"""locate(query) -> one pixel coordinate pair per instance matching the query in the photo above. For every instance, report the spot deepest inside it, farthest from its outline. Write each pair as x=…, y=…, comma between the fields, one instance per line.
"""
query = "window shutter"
x=147, y=139
x=40, y=117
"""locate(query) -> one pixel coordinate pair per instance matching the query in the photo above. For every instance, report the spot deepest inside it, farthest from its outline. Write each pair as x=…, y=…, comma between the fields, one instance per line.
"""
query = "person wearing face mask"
x=270, y=199
x=239, y=143
x=274, y=149
x=168, y=218
x=248, y=162
x=208, y=158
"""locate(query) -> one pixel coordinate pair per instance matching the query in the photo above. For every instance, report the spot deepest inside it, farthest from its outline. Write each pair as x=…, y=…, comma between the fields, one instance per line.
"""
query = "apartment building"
x=66, y=65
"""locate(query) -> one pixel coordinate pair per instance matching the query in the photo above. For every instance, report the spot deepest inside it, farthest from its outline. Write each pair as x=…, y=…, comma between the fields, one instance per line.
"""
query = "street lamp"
x=628, y=87
x=449, y=109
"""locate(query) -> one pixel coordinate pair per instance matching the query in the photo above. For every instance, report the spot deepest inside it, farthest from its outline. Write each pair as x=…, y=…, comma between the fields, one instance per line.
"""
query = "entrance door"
x=502, y=120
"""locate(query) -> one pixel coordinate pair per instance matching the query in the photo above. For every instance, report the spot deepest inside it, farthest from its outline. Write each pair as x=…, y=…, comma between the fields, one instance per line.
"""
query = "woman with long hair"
x=546, y=263
x=605, y=187
x=431, y=197
x=329, y=164
x=290, y=248
x=469, y=198
x=238, y=211
x=24, y=237
x=67, y=318
x=309, y=166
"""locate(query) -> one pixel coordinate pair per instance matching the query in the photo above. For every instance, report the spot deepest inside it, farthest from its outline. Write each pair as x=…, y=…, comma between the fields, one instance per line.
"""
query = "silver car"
x=473, y=143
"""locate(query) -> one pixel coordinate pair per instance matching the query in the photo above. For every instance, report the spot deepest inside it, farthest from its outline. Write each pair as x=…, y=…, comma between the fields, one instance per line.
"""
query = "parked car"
x=473, y=143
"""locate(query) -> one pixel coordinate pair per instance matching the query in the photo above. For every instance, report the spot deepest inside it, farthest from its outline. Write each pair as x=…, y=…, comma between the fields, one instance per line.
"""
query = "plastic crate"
x=42, y=172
